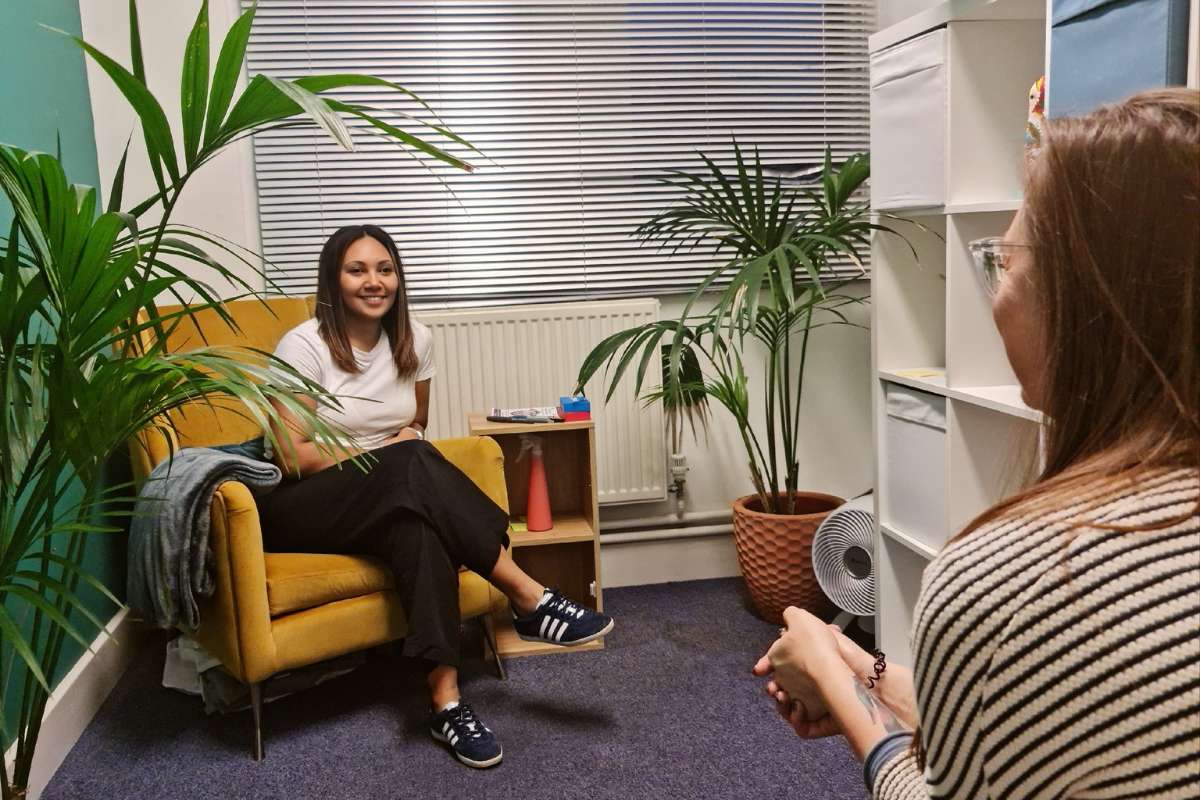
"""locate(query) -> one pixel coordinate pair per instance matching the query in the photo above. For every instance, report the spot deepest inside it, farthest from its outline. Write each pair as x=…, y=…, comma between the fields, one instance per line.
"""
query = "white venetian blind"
x=577, y=107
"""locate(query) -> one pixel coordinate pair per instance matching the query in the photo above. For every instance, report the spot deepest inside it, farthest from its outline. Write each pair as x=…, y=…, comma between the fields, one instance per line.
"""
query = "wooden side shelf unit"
x=567, y=555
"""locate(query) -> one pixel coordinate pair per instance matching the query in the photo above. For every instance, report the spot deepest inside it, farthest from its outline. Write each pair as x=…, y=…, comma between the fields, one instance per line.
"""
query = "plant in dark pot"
x=780, y=247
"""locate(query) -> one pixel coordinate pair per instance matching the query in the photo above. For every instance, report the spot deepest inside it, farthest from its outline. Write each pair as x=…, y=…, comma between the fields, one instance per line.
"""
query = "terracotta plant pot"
x=775, y=553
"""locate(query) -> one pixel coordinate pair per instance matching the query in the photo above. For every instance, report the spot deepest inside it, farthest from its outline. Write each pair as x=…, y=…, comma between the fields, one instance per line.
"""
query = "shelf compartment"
x=991, y=66
x=567, y=528
x=568, y=566
x=911, y=542
x=510, y=645
x=569, y=474
x=908, y=295
x=912, y=497
x=975, y=354
x=1005, y=399
x=898, y=573
x=991, y=454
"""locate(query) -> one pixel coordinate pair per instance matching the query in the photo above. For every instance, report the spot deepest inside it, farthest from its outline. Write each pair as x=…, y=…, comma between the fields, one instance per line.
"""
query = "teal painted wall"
x=44, y=95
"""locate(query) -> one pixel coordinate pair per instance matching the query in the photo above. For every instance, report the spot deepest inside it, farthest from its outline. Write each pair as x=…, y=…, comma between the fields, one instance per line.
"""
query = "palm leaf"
x=193, y=93
x=226, y=74
x=154, y=121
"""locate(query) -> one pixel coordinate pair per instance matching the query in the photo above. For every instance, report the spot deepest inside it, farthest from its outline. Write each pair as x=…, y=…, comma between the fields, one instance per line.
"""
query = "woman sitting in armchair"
x=411, y=507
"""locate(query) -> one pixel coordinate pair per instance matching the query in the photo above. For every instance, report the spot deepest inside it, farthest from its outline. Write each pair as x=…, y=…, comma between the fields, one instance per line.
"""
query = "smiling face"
x=1017, y=310
x=368, y=280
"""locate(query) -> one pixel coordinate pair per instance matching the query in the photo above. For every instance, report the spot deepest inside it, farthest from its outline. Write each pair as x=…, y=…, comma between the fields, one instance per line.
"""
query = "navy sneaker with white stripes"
x=559, y=620
x=468, y=738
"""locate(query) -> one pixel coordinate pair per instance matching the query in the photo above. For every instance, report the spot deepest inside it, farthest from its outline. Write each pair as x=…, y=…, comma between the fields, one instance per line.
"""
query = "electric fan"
x=843, y=563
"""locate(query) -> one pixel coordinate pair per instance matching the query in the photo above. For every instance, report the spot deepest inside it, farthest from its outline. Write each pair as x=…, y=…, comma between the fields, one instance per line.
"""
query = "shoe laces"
x=566, y=606
x=464, y=718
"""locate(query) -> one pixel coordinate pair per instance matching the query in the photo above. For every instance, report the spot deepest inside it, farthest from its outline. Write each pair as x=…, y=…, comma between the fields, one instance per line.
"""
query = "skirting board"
x=667, y=560
x=79, y=696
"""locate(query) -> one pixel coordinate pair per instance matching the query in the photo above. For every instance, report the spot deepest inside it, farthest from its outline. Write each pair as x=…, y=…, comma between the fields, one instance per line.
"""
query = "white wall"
x=221, y=198
x=835, y=453
x=835, y=441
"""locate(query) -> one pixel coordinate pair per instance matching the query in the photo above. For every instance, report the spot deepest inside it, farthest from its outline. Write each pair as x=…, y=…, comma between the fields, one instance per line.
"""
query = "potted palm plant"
x=775, y=286
x=78, y=285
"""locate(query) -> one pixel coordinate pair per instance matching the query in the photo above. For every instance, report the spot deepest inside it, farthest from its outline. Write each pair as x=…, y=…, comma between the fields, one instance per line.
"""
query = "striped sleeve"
x=1054, y=662
x=900, y=779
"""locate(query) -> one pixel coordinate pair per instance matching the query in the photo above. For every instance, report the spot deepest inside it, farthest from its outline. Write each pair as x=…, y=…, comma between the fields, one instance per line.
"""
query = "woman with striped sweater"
x=1057, y=637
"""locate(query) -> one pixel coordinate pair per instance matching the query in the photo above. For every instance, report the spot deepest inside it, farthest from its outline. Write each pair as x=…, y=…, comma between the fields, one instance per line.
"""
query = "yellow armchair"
x=273, y=612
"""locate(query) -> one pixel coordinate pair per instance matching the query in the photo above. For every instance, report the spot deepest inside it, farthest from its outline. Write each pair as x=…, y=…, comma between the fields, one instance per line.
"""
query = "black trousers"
x=414, y=510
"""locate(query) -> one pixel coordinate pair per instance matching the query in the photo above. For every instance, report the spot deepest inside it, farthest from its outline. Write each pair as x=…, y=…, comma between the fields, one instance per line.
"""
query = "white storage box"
x=913, y=499
x=908, y=123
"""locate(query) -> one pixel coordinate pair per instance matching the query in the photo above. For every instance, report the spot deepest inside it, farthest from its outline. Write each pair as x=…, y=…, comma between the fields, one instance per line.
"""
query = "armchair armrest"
x=481, y=459
x=235, y=623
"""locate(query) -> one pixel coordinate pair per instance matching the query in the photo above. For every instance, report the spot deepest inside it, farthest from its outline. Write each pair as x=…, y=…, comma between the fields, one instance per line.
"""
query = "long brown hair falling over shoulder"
x=331, y=312
x=1112, y=209
x=1112, y=215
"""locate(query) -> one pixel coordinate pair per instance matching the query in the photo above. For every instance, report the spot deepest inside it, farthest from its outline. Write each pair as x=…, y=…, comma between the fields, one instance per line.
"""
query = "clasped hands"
x=404, y=435
x=807, y=654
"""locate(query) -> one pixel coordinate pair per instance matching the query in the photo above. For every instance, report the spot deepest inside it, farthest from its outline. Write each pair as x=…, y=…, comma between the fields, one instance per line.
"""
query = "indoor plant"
x=78, y=288
x=774, y=287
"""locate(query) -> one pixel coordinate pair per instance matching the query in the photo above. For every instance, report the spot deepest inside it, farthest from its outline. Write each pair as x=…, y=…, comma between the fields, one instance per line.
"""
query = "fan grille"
x=841, y=554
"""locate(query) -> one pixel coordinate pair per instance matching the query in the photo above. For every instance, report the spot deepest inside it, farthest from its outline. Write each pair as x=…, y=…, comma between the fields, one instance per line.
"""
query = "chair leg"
x=256, y=703
x=489, y=636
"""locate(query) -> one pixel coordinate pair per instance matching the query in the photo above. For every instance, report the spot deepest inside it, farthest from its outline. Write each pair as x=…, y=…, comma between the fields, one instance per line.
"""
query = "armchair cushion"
x=296, y=581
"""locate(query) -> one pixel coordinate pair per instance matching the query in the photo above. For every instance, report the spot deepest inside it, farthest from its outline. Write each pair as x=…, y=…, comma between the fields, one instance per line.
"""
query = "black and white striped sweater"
x=1062, y=664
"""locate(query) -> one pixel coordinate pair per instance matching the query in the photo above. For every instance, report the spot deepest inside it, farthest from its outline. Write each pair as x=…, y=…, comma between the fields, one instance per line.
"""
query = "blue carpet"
x=668, y=710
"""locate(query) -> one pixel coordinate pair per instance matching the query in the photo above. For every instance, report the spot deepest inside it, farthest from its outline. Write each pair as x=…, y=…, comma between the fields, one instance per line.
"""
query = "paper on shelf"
x=922, y=372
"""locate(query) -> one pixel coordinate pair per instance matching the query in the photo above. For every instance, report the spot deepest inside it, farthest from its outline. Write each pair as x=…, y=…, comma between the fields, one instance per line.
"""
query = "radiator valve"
x=679, y=471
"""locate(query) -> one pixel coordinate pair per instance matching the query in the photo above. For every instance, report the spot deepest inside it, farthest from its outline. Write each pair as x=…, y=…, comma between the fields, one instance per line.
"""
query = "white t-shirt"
x=376, y=403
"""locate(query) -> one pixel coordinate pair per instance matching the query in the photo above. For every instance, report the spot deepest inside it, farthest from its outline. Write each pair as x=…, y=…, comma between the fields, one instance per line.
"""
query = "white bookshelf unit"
x=950, y=426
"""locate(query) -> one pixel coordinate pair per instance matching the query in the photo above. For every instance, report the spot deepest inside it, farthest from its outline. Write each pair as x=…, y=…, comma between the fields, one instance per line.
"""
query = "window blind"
x=577, y=107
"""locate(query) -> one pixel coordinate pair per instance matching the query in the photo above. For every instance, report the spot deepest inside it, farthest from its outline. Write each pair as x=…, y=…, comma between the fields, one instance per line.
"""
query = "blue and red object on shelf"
x=575, y=408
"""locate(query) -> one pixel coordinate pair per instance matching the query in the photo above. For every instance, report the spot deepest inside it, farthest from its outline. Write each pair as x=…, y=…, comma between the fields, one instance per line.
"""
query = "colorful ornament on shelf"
x=1037, y=116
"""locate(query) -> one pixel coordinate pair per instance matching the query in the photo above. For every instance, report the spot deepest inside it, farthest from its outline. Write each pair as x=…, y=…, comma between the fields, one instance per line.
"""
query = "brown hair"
x=1112, y=214
x=331, y=312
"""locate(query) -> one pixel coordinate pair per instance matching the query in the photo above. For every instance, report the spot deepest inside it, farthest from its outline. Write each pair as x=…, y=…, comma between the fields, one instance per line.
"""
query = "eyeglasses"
x=992, y=257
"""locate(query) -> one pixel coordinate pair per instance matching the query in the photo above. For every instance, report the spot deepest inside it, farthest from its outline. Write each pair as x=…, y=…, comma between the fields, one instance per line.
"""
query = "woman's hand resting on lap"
x=405, y=435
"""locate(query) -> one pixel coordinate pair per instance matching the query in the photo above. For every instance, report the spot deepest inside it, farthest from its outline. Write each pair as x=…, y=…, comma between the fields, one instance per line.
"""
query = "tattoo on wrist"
x=880, y=713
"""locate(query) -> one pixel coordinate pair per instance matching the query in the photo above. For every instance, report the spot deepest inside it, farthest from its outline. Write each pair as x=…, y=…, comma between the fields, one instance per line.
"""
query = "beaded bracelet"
x=879, y=668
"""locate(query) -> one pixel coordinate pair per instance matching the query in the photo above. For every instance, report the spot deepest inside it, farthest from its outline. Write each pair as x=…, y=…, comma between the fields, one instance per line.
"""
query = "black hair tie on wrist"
x=879, y=668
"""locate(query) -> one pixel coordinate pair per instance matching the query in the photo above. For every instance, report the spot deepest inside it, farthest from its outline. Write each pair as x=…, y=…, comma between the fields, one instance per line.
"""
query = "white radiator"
x=530, y=356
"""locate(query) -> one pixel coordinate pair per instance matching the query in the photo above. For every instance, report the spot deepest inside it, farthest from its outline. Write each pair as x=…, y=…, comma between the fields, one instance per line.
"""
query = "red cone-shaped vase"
x=537, y=513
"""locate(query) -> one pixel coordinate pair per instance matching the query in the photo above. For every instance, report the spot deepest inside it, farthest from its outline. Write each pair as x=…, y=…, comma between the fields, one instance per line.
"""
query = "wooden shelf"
x=566, y=556
x=955, y=11
x=479, y=426
x=567, y=528
x=511, y=645
x=913, y=544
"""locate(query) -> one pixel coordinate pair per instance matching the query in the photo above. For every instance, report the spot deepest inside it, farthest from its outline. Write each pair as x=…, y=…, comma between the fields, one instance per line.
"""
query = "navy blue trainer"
x=469, y=739
x=559, y=620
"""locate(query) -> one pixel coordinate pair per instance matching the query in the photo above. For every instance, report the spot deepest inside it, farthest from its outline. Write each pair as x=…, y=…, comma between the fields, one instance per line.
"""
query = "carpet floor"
x=668, y=710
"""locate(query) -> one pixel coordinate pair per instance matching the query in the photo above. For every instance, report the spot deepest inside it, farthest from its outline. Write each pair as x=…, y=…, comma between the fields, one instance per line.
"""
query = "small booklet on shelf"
x=533, y=414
